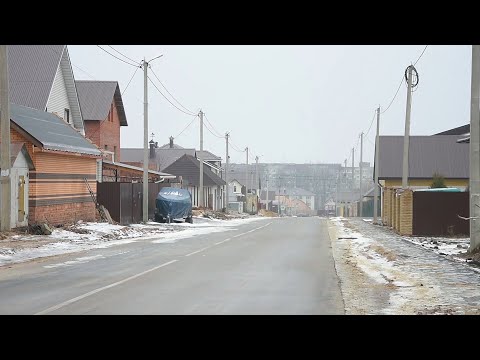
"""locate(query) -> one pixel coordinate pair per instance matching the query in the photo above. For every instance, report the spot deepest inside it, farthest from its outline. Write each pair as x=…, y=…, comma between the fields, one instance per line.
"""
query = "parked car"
x=173, y=204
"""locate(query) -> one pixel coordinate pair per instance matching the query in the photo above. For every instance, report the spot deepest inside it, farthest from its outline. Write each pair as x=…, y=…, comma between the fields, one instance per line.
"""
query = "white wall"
x=58, y=99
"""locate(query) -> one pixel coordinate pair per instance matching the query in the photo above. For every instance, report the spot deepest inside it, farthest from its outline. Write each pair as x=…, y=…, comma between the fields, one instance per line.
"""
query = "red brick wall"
x=40, y=189
x=63, y=213
x=105, y=132
x=92, y=132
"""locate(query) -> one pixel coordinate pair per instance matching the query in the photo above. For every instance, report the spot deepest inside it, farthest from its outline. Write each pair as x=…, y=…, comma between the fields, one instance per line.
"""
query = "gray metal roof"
x=49, y=131
x=163, y=157
x=31, y=72
x=427, y=155
x=167, y=146
x=460, y=130
x=96, y=97
x=188, y=167
x=207, y=155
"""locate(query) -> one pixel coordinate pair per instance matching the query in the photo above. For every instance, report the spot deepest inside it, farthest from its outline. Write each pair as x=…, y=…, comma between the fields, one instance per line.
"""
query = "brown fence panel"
x=435, y=213
x=125, y=203
x=108, y=195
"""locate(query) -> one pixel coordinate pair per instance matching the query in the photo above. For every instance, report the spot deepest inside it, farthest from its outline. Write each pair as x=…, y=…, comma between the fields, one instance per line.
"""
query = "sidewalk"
x=17, y=247
x=384, y=273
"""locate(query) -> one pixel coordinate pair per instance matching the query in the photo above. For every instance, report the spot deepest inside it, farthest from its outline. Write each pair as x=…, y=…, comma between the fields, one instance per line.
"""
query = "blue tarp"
x=174, y=203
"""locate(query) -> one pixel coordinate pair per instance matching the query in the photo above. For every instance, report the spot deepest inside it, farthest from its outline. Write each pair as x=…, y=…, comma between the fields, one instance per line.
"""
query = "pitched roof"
x=34, y=71
x=427, y=155
x=207, y=155
x=31, y=72
x=15, y=149
x=460, y=130
x=96, y=97
x=163, y=157
x=49, y=131
x=167, y=146
x=188, y=167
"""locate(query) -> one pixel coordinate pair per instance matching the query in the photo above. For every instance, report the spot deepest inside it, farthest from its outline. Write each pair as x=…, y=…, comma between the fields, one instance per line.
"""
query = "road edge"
x=331, y=229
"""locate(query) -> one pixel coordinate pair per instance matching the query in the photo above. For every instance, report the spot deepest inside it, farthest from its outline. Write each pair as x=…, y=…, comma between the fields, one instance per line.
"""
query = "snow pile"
x=380, y=265
x=85, y=236
x=442, y=246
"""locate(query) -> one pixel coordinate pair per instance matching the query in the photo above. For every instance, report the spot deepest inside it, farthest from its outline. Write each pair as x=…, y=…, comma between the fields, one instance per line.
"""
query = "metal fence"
x=436, y=213
x=124, y=200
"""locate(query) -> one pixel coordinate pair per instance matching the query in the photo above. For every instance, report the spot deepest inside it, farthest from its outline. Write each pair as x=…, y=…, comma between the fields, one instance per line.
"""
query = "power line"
x=211, y=132
x=371, y=123
x=116, y=57
x=130, y=80
x=233, y=146
x=391, y=102
x=125, y=56
x=178, y=102
x=79, y=68
x=186, y=127
x=212, y=125
x=415, y=63
x=176, y=107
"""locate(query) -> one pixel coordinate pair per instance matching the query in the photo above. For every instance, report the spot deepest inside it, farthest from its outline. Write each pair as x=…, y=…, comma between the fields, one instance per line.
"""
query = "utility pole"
x=360, y=204
x=406, y=138
x=256, y=175
x=266, y=183
x=474, y=185
x=246, y=179
x=226, y=171
x=145, y=142
x=200, y=190
x=5, y=196
x=353, y=178
x=377, y=164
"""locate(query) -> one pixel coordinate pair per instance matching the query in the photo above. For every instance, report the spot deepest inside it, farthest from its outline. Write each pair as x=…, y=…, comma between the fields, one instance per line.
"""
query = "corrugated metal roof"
x=163, y=157
x=31, y=72
x=207, y=155
x=96, y=97
x=427, y=155
x=189, y=168
x=50, y=131
x=460, y=130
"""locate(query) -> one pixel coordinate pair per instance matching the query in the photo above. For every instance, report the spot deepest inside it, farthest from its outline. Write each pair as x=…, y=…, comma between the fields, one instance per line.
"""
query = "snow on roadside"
x=85, y=236
x=404, y=290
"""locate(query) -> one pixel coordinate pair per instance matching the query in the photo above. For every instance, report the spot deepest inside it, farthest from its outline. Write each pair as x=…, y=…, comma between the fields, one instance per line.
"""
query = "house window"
x=67, y=116
x=234, y=188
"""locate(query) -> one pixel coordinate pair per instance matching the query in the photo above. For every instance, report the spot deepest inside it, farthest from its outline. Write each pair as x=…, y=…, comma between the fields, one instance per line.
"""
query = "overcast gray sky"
x=301, y=104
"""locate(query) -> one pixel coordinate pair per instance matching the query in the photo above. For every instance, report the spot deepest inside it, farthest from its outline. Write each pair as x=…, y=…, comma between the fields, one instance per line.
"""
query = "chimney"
x=171, y=142
x=152, y=149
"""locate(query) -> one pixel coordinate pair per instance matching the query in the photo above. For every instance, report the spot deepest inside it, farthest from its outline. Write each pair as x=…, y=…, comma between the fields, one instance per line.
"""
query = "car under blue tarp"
x=173, y=204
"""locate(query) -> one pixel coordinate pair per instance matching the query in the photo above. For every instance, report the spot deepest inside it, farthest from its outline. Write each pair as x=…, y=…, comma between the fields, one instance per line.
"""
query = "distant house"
x=188, y=167
x=41, y=77
x=299, y=194
x=59, y=160
x=162, y=157
x=428, y=155
x=103, y=113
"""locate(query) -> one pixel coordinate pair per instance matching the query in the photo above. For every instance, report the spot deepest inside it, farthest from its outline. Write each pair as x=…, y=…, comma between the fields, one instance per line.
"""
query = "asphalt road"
x=269, y=266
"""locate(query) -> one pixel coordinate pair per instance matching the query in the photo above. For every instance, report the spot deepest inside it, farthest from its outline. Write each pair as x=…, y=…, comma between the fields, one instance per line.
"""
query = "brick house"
x=41, y=77
x=62, y=159
x=103, y=113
